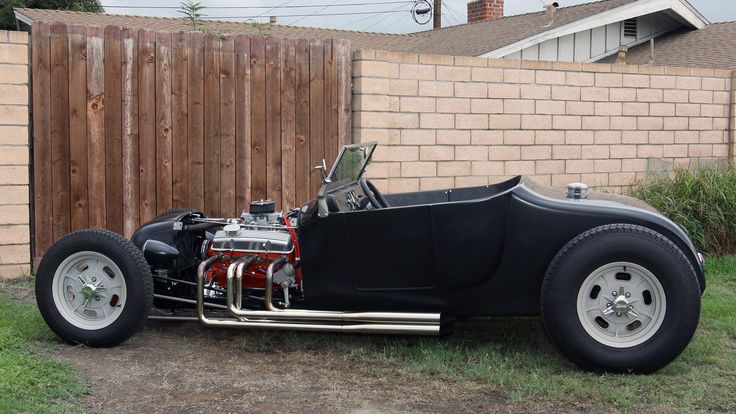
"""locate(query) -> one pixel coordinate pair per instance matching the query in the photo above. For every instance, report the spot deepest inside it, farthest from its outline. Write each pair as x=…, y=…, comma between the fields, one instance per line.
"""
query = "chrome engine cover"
x=249, y=240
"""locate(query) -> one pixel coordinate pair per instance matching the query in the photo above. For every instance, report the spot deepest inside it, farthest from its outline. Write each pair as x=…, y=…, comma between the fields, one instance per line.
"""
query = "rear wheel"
x=94, y=287
x=621, y=298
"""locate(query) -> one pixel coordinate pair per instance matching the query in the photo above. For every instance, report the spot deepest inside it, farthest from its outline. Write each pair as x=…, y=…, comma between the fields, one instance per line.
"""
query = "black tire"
x=138, y=282
x=620, y=243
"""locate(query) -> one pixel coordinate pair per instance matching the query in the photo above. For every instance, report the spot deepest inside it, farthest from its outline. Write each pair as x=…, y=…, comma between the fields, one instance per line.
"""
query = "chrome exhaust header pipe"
x=274, y=312
x=306, y=320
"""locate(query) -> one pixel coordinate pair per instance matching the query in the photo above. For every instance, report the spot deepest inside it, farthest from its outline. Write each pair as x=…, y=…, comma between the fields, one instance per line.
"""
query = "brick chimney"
x=484, y=10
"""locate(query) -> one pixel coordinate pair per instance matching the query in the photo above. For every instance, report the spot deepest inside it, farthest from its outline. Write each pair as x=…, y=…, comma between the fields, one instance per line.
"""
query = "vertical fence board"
x=77, y=38
x=273, y=120
x=131, y=122
x=42, y=186
x=242, y=122
x=345, y=88
x=60, y=129
x=316, y=112
x=195, y=106
x=113, y=130
x=164, y=173
x=288, y=130
x=130, y=145
x=179, y=118
x=333, y=143
x=330, y=106
x=258, y=117
x=147, y=123
x=303, y=163
x=212, y=125
x=227, y=127
x=96, y=127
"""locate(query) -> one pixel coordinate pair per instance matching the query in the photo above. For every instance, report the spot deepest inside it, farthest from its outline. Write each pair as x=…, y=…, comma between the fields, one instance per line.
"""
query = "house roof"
x=479, y=38
x=361, y=40
x=713, y=46
x=466, y=40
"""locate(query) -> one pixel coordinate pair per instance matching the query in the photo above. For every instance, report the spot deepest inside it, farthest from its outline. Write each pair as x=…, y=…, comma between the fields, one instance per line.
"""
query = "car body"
x=355, y=260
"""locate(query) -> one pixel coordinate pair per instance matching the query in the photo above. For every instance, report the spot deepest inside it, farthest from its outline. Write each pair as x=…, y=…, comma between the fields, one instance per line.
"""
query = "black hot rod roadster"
x=618, y=285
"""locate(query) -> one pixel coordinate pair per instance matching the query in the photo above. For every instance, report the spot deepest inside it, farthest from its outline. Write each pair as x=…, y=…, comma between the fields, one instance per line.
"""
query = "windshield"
x=350, y=165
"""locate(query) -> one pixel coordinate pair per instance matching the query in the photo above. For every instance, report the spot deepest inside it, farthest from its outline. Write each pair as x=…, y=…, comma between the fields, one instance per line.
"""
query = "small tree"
x=7, y=17
x=192, y=10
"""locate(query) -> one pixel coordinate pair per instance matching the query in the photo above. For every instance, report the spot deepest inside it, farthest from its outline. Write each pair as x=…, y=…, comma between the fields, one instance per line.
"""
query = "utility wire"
x=315, y=13
x=305, y=15
x=448, y=13
x=379, y=21
x=281, y=6
x=456, y=14
x=274, y=8
x=369, y=17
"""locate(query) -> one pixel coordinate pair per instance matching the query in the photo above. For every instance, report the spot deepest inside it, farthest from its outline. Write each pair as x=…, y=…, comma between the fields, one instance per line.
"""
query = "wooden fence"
x=128, y=123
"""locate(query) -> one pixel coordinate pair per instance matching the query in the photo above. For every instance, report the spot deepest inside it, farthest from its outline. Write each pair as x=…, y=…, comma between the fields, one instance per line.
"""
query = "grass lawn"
x=30, y=382
x=513, y=357
x=509, y=357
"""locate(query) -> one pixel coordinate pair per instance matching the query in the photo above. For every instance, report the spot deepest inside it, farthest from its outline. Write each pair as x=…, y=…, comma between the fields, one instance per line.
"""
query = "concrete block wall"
x=445, y=121
x=15, y=252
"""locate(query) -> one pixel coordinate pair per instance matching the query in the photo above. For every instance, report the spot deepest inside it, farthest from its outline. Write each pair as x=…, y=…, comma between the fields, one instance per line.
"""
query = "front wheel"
x=94, y=287
x=621, y=298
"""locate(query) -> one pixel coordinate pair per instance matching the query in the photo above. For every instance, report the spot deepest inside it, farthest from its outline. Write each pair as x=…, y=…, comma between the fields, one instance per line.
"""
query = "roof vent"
x=550, y=10
x=630, y=27
x=577, y=191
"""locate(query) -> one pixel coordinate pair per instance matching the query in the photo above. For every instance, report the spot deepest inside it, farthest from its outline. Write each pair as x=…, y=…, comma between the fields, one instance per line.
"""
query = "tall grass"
x=702, y=201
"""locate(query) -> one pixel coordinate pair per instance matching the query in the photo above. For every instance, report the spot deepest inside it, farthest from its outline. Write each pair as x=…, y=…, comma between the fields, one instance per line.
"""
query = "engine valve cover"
x=253, y=241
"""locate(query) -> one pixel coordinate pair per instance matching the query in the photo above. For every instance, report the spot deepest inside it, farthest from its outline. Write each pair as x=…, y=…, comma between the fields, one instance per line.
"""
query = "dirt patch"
x=19, y=290
x=184, y=367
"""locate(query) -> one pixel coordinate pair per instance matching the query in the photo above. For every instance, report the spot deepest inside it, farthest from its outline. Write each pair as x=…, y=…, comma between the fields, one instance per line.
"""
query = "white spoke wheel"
x=94, y=287
x=621, y=304
x=89, y=290
x=621, y=298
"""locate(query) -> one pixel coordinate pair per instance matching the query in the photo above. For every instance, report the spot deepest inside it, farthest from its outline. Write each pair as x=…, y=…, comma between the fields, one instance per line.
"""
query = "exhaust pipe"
x=305, y=320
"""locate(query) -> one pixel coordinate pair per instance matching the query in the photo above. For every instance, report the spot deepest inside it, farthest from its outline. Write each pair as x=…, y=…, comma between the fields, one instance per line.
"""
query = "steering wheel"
x=375, y=197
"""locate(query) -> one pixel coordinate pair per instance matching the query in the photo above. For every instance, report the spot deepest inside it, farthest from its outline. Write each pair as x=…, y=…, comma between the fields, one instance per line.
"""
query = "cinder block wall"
x=15, y=252
x=445, y=121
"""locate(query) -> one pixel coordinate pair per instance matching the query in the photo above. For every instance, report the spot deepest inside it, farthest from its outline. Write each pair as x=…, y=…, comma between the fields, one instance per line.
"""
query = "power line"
x=274, y=8
x=448, y=13
x=455, y=14
x=281, y=6
x=367, y=18
x=315, y=13
x=305, y=15
x=387, y=25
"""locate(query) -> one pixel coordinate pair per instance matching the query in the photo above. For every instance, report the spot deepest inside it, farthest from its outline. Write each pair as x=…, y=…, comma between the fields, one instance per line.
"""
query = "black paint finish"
x=466, y=252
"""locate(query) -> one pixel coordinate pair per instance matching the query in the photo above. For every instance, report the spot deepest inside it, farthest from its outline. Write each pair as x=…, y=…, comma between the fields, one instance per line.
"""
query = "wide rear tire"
x=621, y=298
x=94, y=287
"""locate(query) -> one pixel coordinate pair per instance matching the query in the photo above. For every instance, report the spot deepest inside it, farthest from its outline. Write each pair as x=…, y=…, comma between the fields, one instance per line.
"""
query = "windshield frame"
x=328, y=184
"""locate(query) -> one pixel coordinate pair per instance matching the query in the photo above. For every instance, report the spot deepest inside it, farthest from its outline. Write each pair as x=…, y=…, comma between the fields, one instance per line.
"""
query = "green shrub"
x=702, y=201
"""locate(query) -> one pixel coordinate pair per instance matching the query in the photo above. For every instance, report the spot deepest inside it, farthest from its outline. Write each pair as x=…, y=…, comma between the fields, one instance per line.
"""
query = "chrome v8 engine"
x=259, y=231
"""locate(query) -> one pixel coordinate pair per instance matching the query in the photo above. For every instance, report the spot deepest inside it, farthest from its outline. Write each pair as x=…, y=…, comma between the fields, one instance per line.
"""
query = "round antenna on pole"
x=421, y=11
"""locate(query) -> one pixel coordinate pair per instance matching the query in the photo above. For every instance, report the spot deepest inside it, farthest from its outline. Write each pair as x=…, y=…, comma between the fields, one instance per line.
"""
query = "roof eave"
x=639, y=8
x=22, y=17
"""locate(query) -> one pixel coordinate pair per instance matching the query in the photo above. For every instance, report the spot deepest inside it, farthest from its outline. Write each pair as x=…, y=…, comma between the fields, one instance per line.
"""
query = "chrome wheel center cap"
x=621, y=304
x=89, y=291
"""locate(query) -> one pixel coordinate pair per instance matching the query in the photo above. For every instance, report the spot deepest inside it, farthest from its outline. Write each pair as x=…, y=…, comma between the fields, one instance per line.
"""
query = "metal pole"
x=437, y=14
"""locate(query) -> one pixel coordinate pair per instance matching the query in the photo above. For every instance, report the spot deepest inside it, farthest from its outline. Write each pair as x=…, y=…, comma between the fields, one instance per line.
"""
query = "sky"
x=395, y=16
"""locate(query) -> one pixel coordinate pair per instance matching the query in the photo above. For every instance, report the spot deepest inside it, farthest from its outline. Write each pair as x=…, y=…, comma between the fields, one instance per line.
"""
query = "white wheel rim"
x=89, y=290
x=621, y=304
